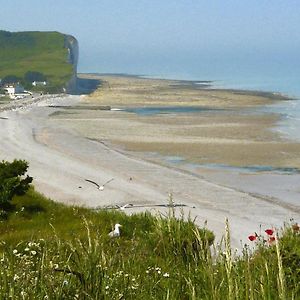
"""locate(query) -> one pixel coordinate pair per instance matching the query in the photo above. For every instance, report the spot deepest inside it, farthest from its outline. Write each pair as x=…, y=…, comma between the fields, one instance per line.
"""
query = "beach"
x=68, y=139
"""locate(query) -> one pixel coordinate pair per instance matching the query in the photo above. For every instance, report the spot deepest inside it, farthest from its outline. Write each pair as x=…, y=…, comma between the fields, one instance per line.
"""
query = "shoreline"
x=61, y=157
x=193, y=83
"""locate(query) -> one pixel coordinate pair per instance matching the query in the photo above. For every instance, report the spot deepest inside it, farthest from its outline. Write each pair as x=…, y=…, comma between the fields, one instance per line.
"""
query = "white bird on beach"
x=116, y=231
x=100, y=187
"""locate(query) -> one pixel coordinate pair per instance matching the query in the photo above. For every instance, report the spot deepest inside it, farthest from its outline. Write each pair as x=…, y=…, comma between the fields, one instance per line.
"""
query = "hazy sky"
x=165, y=36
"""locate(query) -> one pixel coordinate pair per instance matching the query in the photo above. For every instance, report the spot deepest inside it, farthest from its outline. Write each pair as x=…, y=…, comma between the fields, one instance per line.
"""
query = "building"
x=39, y=83
x=13, y=90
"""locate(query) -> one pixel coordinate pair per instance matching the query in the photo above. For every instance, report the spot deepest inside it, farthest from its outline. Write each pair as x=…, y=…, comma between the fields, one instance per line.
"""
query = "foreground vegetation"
x=40, y=53
x=52, y=251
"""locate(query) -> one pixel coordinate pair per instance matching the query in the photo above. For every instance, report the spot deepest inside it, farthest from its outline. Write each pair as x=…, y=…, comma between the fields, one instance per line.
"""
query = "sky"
x=169, y=38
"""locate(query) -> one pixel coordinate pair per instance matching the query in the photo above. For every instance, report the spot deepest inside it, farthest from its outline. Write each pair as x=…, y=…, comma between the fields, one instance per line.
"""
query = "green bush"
x=13, y=181
x=10, y=79
x=31, y=76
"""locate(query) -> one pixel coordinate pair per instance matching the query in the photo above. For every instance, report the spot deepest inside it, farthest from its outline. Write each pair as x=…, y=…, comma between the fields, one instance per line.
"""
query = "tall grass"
x=59, y=252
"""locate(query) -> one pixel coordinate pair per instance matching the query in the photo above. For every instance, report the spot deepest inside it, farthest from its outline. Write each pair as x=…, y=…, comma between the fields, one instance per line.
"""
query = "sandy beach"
x=66, y=145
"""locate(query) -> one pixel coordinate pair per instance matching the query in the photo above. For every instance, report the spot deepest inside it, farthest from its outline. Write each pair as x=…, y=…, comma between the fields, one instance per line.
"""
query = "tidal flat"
x=226, y=126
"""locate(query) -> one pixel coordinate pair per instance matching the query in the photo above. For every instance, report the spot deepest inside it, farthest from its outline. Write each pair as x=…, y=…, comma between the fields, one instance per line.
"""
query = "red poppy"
x=269, y=231
x=271, y=239
x=252, y=237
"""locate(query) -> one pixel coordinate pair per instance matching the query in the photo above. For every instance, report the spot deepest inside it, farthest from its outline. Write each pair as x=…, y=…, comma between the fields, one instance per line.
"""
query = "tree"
x=10, y=79
x=31, y=76
x=13, y=181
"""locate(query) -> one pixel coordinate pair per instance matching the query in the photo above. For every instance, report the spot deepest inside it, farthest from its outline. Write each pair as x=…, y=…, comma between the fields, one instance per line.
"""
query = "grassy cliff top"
x=43, y=52
x=49, y=250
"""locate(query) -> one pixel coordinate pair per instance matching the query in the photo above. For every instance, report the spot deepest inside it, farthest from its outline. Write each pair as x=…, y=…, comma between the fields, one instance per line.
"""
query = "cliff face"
x=73, y=53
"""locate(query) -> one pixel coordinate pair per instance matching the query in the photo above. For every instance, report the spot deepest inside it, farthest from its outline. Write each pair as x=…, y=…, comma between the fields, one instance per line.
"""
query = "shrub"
x=13, y=181
x=10, y=79
x=31, y=76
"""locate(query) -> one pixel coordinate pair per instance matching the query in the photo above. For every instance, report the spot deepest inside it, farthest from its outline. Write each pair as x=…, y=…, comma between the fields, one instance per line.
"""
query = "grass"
x=52, y=251
x=35, y=51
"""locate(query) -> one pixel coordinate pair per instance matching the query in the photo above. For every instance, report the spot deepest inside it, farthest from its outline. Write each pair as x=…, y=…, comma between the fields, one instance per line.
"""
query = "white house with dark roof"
x=39, y=83
x=14, y=90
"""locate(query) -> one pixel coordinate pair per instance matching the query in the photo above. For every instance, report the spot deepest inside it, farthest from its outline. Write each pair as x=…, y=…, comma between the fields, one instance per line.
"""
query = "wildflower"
x=65, y=282
x=269, y=231
x=271, y=239
x=296, y=227
x=15, y=251
x=107, y=287
x=167, y=275
x=33, y=252
x=26, y=249
x=16, y=277
x=147, y=272
x=252, y=237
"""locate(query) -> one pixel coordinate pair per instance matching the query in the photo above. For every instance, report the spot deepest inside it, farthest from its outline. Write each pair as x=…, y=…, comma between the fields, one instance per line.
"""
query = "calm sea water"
x=148, y=111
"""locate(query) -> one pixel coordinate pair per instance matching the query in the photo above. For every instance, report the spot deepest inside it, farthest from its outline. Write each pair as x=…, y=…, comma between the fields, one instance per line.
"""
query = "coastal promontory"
x=41, y=57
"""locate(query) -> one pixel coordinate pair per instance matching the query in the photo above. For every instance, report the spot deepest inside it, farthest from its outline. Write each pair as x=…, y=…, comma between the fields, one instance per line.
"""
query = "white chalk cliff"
x=73, y=53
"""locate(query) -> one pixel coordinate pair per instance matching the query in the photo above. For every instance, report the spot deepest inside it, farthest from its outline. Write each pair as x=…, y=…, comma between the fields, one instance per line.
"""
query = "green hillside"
x=53, y=251
x=42, y=52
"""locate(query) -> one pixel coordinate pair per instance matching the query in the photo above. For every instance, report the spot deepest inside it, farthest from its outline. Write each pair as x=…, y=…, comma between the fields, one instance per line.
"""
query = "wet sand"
x=232, y=132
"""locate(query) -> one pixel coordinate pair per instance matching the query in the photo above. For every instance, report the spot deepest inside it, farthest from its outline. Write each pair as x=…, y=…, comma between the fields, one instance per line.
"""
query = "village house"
x=39, y=83
x=15, y=90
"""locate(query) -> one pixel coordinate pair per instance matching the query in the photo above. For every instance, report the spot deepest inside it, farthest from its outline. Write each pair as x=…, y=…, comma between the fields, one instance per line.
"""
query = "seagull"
x=100, y=187
x=123, y=206
x=115, y=232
